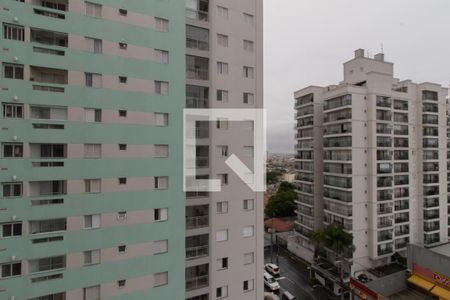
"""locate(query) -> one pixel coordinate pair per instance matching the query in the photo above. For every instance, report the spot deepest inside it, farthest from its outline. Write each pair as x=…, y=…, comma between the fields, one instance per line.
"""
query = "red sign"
x=441, y=279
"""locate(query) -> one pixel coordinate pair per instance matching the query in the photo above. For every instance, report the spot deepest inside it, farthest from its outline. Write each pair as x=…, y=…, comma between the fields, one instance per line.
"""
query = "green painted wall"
x=75, y=96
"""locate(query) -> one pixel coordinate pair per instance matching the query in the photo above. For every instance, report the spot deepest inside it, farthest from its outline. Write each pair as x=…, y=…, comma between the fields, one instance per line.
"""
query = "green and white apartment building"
x=92, y=203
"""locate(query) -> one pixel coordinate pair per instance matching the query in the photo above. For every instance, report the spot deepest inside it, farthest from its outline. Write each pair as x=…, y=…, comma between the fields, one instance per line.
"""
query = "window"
x=121, y=215
x=47, y=264
x=123, y=12
x=13, y=32
x=93, y=80
x=11, y=269
x=121, y=283
x=160, y=279
x=222, y=68
x=222, y=263
x=92, y=150
x=222, y=207
x=162, y=56
x=222, y=95
x=13, y=71
x=93, y=45
x=51, y=225
x=222, y=40
x=222, y=235
x=160, y=247
x=12, y=189
x=222, y=292
x=249, y=46
x=161, y=24
x=247, y=231
x=93, y=10
x=161, y=87
x=248, y=72
x=122, y=147
x=123, y=46
x=92, y=185
x=222, y=123
x=91, y=257
x=123, y=79
x=12, y=150
x=249, y=258
x=12, y=110
x=162, y=119
x=249, y=98
x=222, y=12
x=122, y=248
x=161, y=182
x=11, y=229
x=249, y=204
x=160, y=214
x=222, y=151
x=93, y=115
x=223, y=179
x=122, y=180
x=161, y=151
x=91, y=293
x=248, y=285
x=48, y=112
x=92, y=221
x=57, y=296
x=248, y=19
x=123, y=113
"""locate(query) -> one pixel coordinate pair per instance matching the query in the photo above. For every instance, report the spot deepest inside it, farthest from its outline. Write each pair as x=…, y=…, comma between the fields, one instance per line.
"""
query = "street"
x=295, y=278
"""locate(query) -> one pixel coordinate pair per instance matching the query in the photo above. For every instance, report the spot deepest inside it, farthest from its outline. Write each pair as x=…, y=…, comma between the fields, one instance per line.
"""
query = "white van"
x=288, y=296
x=270, y=282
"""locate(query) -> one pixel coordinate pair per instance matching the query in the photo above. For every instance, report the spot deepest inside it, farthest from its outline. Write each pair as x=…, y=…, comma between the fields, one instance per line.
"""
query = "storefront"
x=434, y=283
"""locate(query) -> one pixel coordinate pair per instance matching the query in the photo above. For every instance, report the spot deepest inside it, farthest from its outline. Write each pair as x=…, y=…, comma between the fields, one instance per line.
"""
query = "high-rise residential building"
x=91, y=170
x=371, y=156
x=92, y=202
x=224, y=232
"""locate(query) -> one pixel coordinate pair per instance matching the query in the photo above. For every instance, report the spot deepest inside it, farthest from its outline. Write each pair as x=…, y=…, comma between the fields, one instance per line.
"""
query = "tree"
x=282, y=204
x=272, y=177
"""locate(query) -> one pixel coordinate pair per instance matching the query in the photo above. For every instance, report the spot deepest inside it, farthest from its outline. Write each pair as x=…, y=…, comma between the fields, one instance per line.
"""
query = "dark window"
x=122, y=113
x=122, y=180
x=122, y=146
x=122, y=79
x=123, y=12
x=11, y=229
x=122, y=248
x=13, y=71
x=12, y=189
x=123, y=46
x=12, y=150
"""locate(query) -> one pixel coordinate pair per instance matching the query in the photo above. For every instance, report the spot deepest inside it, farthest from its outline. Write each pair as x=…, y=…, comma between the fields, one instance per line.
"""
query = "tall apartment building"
x=224, y=233
x=91, y=170
x=371, y=155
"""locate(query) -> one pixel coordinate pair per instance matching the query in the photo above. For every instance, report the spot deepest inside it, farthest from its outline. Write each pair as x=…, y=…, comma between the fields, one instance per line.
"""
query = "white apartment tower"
x=224, y=232
x=372, y=155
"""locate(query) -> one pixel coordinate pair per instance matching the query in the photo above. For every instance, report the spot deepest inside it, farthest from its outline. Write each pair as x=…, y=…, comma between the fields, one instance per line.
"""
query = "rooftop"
x=442, y=249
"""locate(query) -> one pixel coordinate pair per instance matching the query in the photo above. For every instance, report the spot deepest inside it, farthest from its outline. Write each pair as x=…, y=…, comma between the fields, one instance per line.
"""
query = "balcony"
x=401, y=129
x=383, y=141
x=306, y=99
x=52, y=9
x=401, y=230
x=430, y=119
x=431, y=214
x=308, y=200
x=48, y=79
x=431, y=190
x=385, y=249
x=431, y=226
x=197, y=67
x=401, y=143
x=401, y=243
x=430, y=167
x=431, y=238
x=49, y=38
x=338, y=116
x=192, y=195
x=197, y=216
x=197, y=96
x=384, y=235
x=429, y=95
x=384, y=195
x=305, y=177
x=338, y=168
x=332, y=219
x=401, y=218
x=430, y=143
x=430, y=131
x=338, y=195
x=400, y=105
x=383, y=223
x=401, y=168
x=401, y=179
x=197, y=38
x=197, y=277
x=338, y=155
x=309, y=110
x=384, y=209
x=401, y=118
x=430, y=178
x=384, y=128
x=337, y=102
x=384, y=181
x=304, y=210
x=344, y=128
x=430, y=107
x=303, y=122
x=341, y=209
x=384, y=102
x=383, y=115
x=338, y=142
x=401, y=205
x=46, y=188
x=401, y=192
x=384, y=155
x=401, y=154
x=302, y=230
x=197, y=246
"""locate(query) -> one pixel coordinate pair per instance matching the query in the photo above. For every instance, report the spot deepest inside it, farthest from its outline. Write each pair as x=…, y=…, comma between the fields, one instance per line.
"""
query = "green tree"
x=272, y=177
x=282, y=204
x=334, y=238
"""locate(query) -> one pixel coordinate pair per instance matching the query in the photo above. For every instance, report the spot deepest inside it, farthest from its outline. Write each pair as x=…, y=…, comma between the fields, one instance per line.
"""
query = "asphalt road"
x=294, y=278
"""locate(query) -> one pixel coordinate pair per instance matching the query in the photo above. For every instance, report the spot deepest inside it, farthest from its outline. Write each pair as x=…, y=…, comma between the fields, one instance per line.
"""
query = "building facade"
x=224, y=230
x=384, y=152
x=91, y=170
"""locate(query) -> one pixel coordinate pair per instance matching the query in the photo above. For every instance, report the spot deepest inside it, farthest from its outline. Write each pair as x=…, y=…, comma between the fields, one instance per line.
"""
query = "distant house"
x=279, y=224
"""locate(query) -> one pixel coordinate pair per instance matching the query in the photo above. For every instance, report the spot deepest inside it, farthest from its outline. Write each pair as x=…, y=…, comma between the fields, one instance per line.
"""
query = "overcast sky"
x=306, y=42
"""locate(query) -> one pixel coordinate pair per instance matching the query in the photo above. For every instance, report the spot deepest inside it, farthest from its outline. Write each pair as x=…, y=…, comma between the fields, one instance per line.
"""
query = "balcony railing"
x=194, y=102
x=197, y=222
x=193, y=73
x=193, y=283
x=197, y=252
x=385, y=223
x=197, y=44
x=197, y=14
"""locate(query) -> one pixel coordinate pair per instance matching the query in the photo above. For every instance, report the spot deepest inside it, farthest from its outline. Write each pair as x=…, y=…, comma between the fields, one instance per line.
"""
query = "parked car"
x=273, y=269
x=287, y=296
x=270, y=282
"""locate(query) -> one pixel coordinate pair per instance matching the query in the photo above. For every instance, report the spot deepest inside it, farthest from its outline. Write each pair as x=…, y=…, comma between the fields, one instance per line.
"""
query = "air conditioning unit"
x=14, y=177
x=16, y=19
x=14, y=138
x=13, y=218
x=13, y=258
x=15, y=98
x=15, y=58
